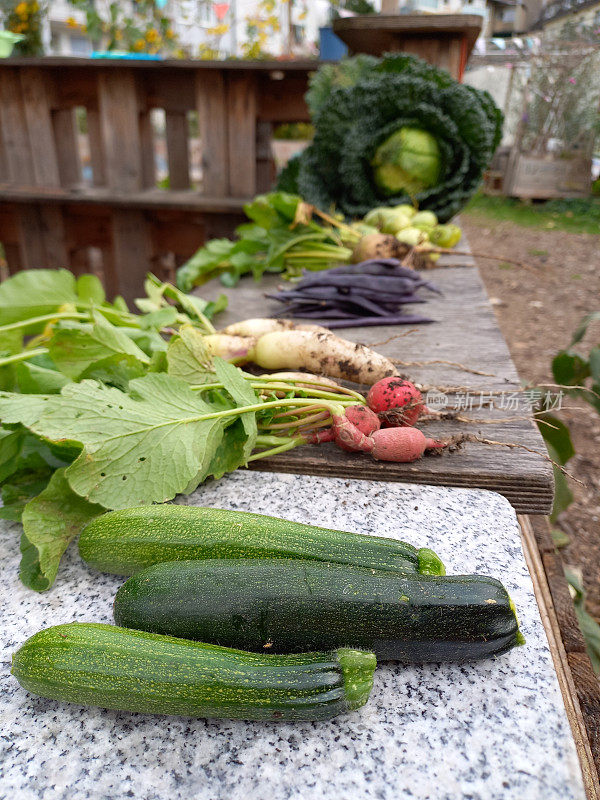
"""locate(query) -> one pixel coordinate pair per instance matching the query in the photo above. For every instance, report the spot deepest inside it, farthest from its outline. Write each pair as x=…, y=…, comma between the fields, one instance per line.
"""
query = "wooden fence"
x=80, y=161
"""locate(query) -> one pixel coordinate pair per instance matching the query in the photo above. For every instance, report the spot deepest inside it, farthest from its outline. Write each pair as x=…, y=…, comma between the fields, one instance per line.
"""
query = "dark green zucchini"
x=102, y=665
x=286, y=606
x=129, y=540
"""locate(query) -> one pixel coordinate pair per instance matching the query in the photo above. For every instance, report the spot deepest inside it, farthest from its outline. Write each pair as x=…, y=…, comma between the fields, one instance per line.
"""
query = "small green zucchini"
x=286, y=606
x=126, y=670
x=126, y=541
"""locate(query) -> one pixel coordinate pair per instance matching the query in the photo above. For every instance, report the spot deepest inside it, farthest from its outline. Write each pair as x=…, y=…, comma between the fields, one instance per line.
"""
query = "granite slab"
x=490, y=730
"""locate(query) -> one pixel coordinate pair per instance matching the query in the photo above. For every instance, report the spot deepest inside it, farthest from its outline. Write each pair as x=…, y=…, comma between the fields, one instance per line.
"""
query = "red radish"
x=319, y=436
x=401, y=444
x=397, y=402
x=365, y=420
x=349, y=437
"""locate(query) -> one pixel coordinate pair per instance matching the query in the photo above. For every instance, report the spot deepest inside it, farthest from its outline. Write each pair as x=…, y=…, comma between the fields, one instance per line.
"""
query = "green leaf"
x=594, y=360
x=34, y=293
x=23, y=409
x=570, y=369
x=589, y=627
x=583, y=326
x=117, y=370
x=11, y=342
x=563, y=497
x=74, y=349
x=11, y=443
x=32, y=379
x=50, y=522
x=559, y=538
x=557, y=434
x=140, y=448
x=244, y=395
x=213, y=256
x=90, y=289
x=161, y=318
x=188, y=358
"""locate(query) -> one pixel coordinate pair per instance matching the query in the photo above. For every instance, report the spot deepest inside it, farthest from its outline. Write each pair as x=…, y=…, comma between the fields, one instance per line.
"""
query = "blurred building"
x=554, y=14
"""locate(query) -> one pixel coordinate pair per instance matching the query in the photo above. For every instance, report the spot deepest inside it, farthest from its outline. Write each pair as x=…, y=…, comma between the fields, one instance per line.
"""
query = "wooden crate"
x=544, y=177
x=110, y=217
x=445, y=40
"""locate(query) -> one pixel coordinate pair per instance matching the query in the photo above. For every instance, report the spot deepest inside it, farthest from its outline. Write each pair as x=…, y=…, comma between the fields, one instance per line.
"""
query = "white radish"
x=321, y=352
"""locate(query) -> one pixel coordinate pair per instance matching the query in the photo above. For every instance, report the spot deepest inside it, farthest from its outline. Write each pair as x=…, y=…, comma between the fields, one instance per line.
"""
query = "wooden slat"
x=465, y=331
x=241, y=109
x=13, y=126
x=211, y=104
x=573, y=670
x=152, y=198
x=96, y=147
x=37, y=94
x=56, y=253
x=131, y=252
x=176, y=129
x=119, y=123
x=67, y=146
x=32, y=251
x=13, y=257
x=147, y=150
x=265, y=165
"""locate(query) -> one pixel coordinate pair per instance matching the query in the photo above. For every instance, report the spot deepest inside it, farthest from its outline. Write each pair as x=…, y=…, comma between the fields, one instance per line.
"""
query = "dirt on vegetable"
x=537, y=311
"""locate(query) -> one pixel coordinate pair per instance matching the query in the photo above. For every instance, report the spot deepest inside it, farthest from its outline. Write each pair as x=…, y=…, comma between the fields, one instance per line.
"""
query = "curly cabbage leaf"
x=361, y=103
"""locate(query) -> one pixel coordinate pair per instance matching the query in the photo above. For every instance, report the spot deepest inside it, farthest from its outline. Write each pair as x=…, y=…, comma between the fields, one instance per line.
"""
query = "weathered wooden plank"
x=578, y=684
x=265, y=165
x=176, y=130
x=13, y=126
x=96, y=147
x=13, y=258
x=37, y=95
x=130, y=252
x=241, y=108
x=32, y=251
x=147, y=150
x=119, y=123
x=67, y=146
x=211, y=104
x=465, y=331
x=56, y=253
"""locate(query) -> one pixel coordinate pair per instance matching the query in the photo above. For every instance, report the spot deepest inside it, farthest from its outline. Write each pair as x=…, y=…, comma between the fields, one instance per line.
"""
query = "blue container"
x=331, y=47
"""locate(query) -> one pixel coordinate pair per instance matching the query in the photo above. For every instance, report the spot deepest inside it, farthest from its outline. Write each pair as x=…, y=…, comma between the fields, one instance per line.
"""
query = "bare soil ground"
x=537, y=311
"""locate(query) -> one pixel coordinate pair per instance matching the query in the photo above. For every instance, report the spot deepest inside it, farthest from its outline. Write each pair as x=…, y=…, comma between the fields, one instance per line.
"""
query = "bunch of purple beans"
x=356, y=295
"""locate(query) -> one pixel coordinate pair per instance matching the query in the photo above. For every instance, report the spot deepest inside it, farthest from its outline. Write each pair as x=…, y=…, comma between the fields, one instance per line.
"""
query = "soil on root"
x=537, y=312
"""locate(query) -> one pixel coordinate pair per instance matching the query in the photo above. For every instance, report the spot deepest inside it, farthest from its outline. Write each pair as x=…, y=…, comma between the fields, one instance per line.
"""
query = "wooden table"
x=465, y=331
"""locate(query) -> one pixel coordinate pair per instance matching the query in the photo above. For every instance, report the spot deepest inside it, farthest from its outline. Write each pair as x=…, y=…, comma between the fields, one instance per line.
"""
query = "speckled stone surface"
x=492, y=730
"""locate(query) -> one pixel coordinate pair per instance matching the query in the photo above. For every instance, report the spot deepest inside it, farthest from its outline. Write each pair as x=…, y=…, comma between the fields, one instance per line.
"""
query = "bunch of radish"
x=383, y=427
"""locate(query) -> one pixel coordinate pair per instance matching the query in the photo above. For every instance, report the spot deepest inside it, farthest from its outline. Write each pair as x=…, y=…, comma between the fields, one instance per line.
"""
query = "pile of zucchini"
x=239, y=615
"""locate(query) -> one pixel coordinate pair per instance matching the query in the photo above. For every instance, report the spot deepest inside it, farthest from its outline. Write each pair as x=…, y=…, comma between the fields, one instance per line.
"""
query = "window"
x=79, y=46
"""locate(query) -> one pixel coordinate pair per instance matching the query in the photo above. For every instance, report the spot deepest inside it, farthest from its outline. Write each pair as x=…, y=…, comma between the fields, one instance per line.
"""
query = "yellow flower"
x=218, y=30
x=169, y=33
x=139, y=45
x=151, y=35
x=71, y=22
x=35, y=8
x=21, y=9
